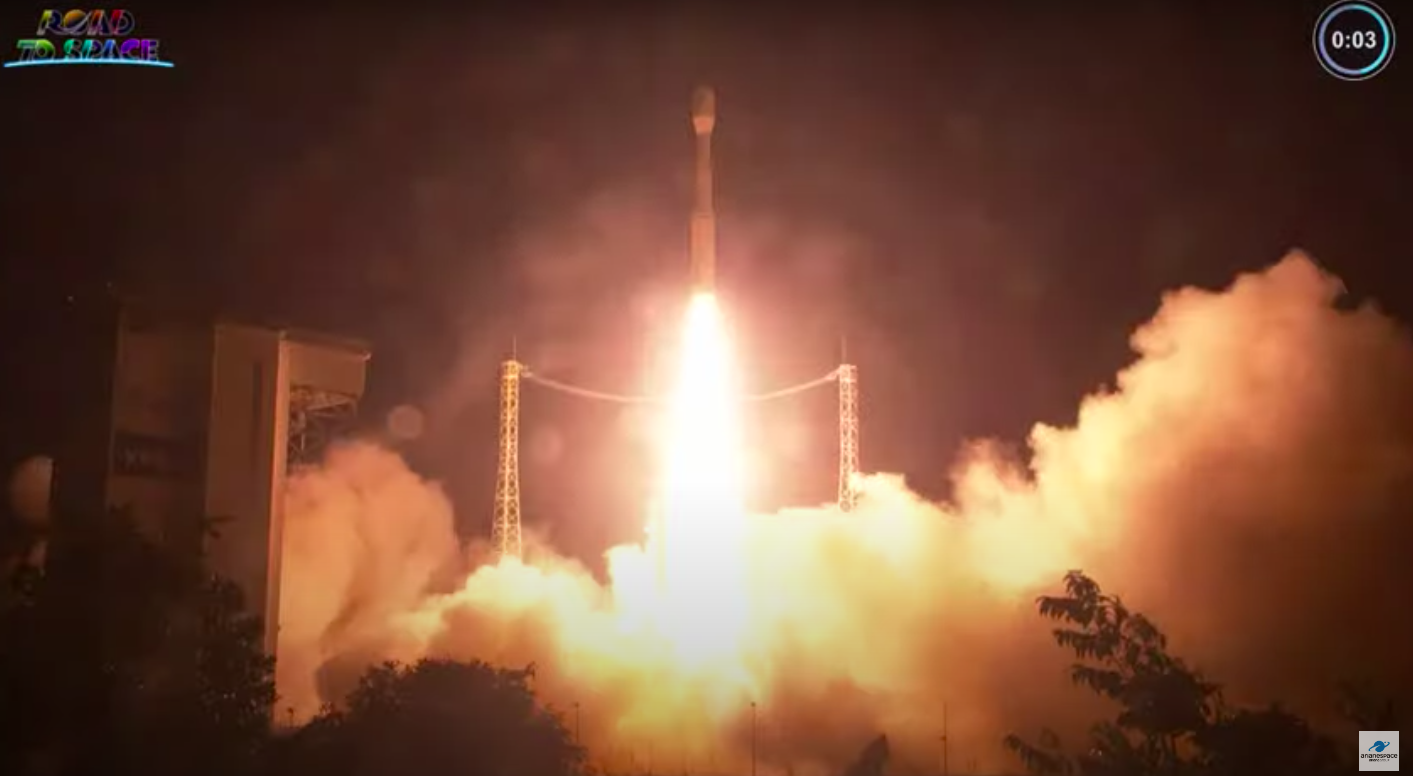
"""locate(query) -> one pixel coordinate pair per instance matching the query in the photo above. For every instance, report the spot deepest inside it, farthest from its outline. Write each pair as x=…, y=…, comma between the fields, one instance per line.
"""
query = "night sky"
x=985, y=202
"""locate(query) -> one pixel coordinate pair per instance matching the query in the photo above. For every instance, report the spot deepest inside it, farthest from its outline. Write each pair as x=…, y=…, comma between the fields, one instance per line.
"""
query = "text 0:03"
x=1357, y=40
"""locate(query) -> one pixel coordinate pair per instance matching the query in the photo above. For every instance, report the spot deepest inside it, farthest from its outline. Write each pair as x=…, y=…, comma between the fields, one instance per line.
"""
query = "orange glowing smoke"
x=1260, y=420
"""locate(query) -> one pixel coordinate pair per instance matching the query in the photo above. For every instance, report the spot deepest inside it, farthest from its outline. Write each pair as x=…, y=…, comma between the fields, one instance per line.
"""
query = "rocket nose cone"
x=704, y=104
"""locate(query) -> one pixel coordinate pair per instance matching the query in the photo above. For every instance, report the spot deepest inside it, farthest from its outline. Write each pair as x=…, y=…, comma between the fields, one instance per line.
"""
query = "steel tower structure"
x=505, y=525
x=848, y=436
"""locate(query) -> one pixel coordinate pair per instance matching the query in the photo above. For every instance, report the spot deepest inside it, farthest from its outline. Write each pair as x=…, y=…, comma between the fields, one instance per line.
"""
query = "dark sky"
x=985, y=200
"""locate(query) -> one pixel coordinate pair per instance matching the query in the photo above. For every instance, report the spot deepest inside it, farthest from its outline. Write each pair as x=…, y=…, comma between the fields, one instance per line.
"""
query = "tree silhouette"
x=119, y=655
x=436, y=718
x=1171, y=720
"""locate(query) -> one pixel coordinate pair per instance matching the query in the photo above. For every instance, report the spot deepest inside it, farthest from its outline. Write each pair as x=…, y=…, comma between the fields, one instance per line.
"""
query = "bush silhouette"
x=1171, y=720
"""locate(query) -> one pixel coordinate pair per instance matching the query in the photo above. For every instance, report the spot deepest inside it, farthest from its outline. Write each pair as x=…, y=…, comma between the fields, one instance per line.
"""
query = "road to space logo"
x=78, y=37
x=1378, y=750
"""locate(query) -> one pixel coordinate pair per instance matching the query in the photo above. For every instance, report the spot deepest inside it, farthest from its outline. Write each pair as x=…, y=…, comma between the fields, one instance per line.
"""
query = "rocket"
x=703, y=249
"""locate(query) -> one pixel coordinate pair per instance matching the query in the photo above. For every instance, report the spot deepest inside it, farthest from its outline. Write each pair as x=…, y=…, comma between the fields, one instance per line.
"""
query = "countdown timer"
x=1354, y=40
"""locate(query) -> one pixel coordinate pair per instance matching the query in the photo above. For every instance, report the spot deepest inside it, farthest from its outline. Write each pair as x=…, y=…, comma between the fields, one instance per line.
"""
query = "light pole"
x=753, y=738
x=943, y=739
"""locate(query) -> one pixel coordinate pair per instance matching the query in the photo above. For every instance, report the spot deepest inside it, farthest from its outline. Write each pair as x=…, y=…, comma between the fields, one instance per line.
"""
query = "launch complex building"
x=191, y=422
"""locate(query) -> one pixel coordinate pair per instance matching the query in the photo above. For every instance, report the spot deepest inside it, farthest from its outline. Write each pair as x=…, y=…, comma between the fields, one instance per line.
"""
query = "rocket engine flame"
x=703, y=510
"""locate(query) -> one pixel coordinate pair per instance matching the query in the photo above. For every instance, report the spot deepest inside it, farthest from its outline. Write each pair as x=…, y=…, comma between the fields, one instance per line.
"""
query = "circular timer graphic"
x=1354, y=40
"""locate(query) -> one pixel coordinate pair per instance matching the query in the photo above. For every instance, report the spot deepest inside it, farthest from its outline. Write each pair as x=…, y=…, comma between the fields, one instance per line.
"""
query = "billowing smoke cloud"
x=29, y=501
x=1245, y=482
x=30, y=484
x=365, y=540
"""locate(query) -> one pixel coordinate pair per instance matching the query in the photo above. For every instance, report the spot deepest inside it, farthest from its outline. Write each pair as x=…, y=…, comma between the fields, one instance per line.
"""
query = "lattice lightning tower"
x=848, y=436
x=505, y=528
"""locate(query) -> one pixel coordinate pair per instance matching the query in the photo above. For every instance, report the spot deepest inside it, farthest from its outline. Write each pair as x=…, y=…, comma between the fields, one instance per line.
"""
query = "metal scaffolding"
x=848, y=437
x=316, y=418
x=505, y=526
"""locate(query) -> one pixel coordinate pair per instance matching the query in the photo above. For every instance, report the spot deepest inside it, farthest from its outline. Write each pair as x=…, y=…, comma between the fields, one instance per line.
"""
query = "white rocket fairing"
x=703, y=249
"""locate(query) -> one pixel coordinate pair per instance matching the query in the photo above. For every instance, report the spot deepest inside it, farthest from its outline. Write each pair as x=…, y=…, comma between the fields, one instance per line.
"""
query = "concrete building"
x=191, y=424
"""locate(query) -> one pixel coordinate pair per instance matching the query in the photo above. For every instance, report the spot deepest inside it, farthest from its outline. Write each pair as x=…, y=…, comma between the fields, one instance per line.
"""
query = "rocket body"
x=703, y=248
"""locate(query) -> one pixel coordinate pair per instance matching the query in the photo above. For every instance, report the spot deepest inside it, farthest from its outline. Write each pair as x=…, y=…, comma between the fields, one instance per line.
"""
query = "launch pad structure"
x=191, y=424
x=506, y=535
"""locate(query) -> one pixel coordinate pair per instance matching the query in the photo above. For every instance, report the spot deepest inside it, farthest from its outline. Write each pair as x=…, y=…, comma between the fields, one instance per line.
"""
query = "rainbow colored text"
x=97, y=37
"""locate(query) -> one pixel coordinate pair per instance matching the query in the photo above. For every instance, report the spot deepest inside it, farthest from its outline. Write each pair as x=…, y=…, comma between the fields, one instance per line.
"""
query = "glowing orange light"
x=701, y=521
